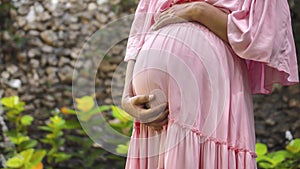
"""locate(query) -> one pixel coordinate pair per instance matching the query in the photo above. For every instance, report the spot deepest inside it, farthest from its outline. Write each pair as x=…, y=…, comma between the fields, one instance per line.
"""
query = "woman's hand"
x=136, y=106
x=184, y=12
x=155, y=115
x=206, y=14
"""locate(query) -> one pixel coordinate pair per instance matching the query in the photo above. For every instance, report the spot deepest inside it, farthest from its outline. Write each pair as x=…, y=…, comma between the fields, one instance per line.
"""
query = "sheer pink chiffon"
x=207, y=83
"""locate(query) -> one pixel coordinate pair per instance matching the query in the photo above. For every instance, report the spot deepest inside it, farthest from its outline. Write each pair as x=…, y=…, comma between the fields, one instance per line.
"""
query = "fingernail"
x=151, y=96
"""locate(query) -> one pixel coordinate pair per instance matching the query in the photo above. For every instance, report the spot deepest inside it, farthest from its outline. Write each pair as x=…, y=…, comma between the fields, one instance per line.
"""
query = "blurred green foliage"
x=59, y=130
x=282, y=159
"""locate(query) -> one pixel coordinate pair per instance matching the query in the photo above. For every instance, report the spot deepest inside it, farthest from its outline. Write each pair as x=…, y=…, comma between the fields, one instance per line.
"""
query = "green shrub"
x=27, y=159
x=59, y=130
x=287, y=159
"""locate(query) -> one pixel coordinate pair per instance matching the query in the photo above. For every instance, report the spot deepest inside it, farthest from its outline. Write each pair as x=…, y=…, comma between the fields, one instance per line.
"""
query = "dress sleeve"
x=143, y=19
x=260, y=32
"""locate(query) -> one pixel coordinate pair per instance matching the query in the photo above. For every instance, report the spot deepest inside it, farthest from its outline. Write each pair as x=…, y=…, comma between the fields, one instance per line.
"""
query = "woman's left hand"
x=176, y=14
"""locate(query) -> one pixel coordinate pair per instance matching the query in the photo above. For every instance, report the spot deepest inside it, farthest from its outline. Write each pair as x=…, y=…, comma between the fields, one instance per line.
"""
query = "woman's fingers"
x=160, y=118
x=149, y=115
x=170, y=16
x=141, y=99
x=167, y=20
x=160, y=121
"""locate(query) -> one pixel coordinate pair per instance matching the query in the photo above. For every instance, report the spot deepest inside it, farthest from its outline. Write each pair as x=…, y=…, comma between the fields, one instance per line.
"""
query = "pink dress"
x=208, y=83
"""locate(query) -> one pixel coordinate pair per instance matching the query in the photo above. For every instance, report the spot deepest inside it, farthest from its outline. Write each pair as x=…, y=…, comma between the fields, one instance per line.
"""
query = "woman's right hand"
x=137, y=106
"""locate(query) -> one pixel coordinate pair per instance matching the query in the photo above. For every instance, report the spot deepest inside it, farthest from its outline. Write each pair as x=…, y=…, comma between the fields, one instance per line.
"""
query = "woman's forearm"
x=211, y=17
x=128, y=79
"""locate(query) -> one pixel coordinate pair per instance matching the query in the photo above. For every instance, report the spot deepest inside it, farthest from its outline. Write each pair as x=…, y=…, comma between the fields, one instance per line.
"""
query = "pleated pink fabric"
x=208, y=83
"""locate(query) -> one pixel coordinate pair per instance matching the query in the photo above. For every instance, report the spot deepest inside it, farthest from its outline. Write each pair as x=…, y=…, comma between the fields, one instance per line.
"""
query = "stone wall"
x=51, y=35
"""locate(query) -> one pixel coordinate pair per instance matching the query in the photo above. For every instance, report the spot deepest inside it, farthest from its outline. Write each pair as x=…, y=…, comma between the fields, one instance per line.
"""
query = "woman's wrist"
x=198, y=10
x=211, y=17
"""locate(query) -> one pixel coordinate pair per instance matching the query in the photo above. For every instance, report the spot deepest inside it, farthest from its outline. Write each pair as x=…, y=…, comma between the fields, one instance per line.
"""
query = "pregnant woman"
x=192, y=67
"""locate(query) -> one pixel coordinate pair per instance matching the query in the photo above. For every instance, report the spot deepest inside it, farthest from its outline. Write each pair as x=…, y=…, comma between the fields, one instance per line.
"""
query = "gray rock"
x=21, y=57
x=63, y=61
x=31, y=16
x=62, y=51
x=12, y=69
x=45, y=16
x=48, y=104
x=34, y=63
x=77, y=64
x=65, y=74
x=21, y=21
x=30, y=26
x=52, y=79
x=117, y=49
x=107, y=67
x=73, y=19
x=23, y=10
x=92, y=6
x=49, y=98
x=74, y=26
x=105, y=8
x=61, y=35
x=27, y=97
x=5, y=75
x=38, y=7
x=35, y=41
x=75, y=53
x=57, y=12
x=52, y=60
x=101, y=2
x=49, y=37
x=34, y=52
x=294, y=103
x=6, y=36
x=14, y=83
x=34, y=33
x=47, y=49
x=116, y=60
x=51, y=70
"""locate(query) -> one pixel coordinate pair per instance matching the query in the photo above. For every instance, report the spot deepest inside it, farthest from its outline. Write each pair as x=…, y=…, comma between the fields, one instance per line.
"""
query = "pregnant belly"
x=180, y=61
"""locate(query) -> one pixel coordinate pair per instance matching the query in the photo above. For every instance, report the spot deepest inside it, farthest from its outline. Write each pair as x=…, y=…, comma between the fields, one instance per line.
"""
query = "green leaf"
x=47, y=141
x=294, y=146
x=261, y=149
x=121, y=114
x=37, y=157
x=60, y=142
x=19, y=139
x=72, y=124
x=28, y=144
x=85, y=103
x=13, y=103
x=59, y=157
x=11, y=133
x=266, y=165
x=26, y=120
x=46, y=128
x=123, y=149
x=15, y=162
x=10, y=102
x=27, y=154
x=277, y=157
x=84, y=142
x=104, y=108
